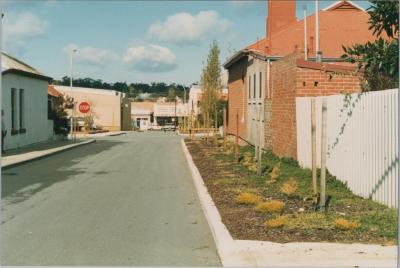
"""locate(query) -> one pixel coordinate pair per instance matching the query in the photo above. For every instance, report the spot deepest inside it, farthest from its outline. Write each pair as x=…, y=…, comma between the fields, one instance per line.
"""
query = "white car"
x=154, y=128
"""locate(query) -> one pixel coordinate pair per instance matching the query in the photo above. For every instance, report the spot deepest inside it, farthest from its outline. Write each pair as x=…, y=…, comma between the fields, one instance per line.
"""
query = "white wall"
x=38, y=127
x=362, y=141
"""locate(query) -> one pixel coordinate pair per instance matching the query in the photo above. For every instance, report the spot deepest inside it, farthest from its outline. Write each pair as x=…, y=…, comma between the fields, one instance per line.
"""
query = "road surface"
x=124, y=200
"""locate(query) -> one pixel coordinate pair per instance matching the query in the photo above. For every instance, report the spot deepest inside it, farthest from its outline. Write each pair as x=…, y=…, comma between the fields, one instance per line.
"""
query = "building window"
x=22, y=110
x=260, y=85
x=249, y=87
x=13, y=110
x=254, y=87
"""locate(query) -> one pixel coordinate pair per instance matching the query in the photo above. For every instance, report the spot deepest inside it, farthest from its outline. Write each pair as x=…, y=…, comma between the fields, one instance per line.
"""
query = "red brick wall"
x=290, y=81
x=328, y=83
x=237, y=98
x=283, y=82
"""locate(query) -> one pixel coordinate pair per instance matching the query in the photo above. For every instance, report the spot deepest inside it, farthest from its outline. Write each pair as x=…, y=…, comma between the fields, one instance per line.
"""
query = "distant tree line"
x=133, y=90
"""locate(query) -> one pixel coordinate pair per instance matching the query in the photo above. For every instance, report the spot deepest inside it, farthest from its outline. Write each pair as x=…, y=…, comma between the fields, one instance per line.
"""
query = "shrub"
x=289, y=188
x=276, y=223
x=248, y=199
x=344, y=224
x=270, y=206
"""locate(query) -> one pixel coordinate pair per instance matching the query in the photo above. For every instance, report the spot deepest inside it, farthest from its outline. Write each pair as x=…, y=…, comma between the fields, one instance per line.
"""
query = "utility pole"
x=72, y=95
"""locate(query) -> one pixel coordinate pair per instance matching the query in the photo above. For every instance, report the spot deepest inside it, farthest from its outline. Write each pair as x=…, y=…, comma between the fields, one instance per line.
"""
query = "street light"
x=72, y=93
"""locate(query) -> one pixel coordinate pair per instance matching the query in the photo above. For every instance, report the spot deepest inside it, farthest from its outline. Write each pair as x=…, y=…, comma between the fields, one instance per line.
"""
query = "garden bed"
x=278, y=205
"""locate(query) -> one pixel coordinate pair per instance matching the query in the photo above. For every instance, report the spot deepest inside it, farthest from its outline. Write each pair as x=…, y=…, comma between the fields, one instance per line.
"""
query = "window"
x=260, y=85
x=254, y=87
x=249, y=87
x=13, y=111
x=49, y=109
x=22, y=110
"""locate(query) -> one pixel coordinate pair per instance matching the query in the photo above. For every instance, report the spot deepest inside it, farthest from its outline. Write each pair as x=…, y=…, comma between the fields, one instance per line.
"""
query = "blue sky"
x=132, y=41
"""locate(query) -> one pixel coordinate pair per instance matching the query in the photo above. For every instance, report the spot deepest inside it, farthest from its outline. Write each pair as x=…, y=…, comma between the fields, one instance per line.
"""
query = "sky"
x=132, y=41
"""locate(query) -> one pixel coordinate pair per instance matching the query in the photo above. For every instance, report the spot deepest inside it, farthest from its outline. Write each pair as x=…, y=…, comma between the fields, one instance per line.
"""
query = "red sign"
x=84, y=107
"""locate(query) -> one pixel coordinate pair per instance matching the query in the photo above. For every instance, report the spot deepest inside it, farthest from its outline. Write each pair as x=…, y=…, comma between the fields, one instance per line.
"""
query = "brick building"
x=294, y=77
x=255, y=86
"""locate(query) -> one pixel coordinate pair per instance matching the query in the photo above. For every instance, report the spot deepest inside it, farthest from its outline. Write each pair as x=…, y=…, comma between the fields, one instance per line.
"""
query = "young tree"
x=379, y=58
x=210, y=83
x=59, y=115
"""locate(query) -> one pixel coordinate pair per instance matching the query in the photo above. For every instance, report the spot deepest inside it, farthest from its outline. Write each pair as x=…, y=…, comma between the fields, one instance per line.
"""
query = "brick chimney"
x=280, y=14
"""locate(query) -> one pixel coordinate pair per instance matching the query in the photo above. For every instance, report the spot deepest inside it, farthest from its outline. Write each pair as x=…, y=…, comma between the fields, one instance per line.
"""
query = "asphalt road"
x=124, y=200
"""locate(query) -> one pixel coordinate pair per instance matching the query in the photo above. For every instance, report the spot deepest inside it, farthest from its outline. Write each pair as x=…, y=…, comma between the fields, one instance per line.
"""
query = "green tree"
x=380, y=59
x=210, y=83
x=59, y=115
x=171, y=94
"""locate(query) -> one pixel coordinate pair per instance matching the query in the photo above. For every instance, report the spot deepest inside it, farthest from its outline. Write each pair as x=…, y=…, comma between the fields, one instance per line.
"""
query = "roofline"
x=338, y=2
x=28, y=74
x=234, y=58
x=20, y=62
x=301, y=63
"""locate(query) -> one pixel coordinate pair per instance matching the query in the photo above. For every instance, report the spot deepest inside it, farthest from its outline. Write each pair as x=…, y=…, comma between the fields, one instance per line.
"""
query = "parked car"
x=154, y=128
x=168, y=127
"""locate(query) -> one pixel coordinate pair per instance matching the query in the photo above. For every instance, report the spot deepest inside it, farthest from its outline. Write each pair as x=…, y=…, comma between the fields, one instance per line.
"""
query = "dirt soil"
x=225, y=179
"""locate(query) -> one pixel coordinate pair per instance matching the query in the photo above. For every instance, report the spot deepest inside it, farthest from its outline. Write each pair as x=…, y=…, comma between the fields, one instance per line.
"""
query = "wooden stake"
x=260, y=129
x=215, y=127
x=224, y=128
x=323, y=154
x=237, y=138
x=314, y=149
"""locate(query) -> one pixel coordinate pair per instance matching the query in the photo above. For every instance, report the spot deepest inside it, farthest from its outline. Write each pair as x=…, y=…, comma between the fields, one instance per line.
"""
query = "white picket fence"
x=362, y=137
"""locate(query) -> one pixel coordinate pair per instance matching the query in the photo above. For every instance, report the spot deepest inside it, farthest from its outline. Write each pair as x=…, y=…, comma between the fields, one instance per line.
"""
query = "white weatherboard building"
x=24, y=102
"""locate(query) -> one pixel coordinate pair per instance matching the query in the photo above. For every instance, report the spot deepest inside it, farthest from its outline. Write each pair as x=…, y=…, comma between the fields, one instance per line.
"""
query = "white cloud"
x=187, y=28
x=150, y=58
x=91, y=55
x=19, y=28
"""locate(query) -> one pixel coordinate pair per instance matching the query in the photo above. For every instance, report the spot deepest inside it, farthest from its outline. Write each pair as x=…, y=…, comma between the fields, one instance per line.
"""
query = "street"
x=123, y=200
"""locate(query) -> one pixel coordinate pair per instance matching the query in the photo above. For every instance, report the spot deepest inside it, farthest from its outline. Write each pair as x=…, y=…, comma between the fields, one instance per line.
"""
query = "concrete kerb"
x=229, y=253
x=297, y=254
x=15, y=160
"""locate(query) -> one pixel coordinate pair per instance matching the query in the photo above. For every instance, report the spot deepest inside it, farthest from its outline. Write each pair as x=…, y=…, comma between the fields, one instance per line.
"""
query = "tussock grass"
x=309, y=221
x=289, y=188
x=344, y=224
x=278, y=222
x=272, y=206
x=274, y=175
x=248, y=199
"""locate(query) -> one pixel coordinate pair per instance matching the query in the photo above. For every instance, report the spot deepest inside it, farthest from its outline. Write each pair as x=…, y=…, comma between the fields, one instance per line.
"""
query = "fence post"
x=237, y=138
x=313, y=149
x=323, y=154
x=224, y=128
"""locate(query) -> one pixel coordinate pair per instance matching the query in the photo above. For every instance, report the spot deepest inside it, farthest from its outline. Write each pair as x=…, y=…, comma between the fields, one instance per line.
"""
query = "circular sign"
x=84, y=107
